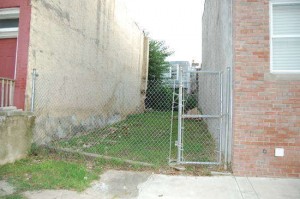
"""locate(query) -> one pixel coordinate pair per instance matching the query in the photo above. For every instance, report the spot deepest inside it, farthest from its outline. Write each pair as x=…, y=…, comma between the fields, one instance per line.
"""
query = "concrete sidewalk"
x=176, y=187
x=133, y=185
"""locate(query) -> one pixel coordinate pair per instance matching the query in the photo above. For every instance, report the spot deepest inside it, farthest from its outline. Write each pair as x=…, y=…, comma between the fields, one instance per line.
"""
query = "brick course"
x=266, y=111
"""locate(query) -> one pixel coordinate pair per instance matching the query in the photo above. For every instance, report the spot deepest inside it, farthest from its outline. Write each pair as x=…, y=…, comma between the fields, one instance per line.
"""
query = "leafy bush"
x=190, y=103
x=159, y=97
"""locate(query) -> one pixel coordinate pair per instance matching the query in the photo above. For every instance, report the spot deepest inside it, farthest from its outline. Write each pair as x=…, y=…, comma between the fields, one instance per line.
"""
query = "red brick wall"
x=23, y=44
x=266, y=110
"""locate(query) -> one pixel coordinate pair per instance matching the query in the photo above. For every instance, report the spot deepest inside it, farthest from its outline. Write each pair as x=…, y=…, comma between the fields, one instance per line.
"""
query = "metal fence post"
x=180, y=101
x=221, y=115
x=228, y=103
x=34, y=75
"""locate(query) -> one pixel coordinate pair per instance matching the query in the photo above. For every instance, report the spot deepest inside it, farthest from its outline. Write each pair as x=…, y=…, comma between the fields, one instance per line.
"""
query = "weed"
x=145, y=137
x=13, y=196
x=35, y=174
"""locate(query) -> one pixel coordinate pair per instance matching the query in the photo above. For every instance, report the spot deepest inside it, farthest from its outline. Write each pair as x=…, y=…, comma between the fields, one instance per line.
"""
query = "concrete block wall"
x=91, y=60
x=266, y=106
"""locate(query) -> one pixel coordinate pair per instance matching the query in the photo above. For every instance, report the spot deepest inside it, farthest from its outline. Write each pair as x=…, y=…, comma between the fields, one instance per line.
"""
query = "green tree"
x=159, y=96
x=158, y=53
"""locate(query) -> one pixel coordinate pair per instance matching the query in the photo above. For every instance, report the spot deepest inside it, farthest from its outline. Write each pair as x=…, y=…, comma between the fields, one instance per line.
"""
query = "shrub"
x=159, y=97
x=190, y=103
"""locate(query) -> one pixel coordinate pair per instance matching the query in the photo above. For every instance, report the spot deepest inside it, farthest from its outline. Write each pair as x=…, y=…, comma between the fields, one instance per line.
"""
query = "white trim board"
x=9, y=13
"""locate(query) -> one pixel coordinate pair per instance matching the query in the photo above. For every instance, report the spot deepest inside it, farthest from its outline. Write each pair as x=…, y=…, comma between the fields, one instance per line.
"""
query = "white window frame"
x=271, y=4
x=9, y=13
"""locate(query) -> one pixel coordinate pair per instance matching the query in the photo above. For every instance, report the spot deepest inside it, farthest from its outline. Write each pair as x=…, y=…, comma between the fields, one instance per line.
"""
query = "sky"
x=177, y=22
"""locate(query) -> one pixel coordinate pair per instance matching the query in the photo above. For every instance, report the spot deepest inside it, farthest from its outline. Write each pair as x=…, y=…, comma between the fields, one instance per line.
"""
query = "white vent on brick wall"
x=285, y=36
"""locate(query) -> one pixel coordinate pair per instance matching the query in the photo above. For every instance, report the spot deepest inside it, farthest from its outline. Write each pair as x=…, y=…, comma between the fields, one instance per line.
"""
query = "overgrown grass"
x=141, y=137
x=13, y=196
x=36, y=174
x=146, y=137
x=47, y=170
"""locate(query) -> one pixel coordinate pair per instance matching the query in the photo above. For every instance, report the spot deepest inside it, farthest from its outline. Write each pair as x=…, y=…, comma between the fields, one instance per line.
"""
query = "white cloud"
x=177, y=22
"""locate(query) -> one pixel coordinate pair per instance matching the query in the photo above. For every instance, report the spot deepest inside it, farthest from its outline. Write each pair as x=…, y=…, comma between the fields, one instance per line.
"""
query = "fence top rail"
x=209, y=72
x=8, y=79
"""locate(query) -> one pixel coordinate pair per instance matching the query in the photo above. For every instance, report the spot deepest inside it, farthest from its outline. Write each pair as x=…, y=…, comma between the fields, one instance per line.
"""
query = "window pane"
x=286, y=54
x=9, y=23
x=286, y=19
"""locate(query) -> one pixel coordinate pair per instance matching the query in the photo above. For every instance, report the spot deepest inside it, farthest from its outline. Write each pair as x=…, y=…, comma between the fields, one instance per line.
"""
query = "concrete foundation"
x=15, y=135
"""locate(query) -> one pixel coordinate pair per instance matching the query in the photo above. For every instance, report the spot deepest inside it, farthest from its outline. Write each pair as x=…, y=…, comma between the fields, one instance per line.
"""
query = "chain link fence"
x=201, y=128
x=128, y=120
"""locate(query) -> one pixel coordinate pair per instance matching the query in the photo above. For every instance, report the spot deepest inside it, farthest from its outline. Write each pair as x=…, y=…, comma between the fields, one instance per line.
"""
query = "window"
x=285, y=36
x=175, y=72
x=9, y=23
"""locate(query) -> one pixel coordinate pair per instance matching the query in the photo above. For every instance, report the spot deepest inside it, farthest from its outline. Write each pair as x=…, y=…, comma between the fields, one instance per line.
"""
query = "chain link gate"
x=130, y=122
x=203, y=125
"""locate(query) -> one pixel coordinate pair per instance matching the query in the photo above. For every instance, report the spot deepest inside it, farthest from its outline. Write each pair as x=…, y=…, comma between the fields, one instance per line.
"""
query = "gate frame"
x=223, y=127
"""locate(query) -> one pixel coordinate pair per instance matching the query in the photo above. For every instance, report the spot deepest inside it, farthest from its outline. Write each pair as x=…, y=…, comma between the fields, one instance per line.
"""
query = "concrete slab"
x=179, y=187
x=118, y=184
x=53, y=194
x=246, y=188
x=276, y=188
x=139, y=185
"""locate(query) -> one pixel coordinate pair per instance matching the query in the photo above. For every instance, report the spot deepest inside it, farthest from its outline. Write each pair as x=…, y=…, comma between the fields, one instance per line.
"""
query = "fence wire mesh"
x=199, y=140
x=129, y=120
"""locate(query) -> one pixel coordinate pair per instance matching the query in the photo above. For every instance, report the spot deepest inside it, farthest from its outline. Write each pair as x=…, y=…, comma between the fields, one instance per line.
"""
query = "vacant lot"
x=146, y=137
x=141, y=137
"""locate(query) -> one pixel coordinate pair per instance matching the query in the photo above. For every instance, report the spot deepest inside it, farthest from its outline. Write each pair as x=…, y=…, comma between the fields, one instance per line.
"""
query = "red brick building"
x=260, y=41
x=14, y=44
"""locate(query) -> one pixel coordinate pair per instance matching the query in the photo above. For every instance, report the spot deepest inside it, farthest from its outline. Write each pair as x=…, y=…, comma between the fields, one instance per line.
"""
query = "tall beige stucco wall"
x=217, y=55
x=90, y=60
x=217, y=35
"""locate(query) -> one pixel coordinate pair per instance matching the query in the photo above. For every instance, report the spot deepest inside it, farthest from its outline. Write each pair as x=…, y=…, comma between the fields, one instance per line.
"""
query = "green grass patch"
x=13, y=196
x=53, y=171
x=36, y=174
x=145, y=137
